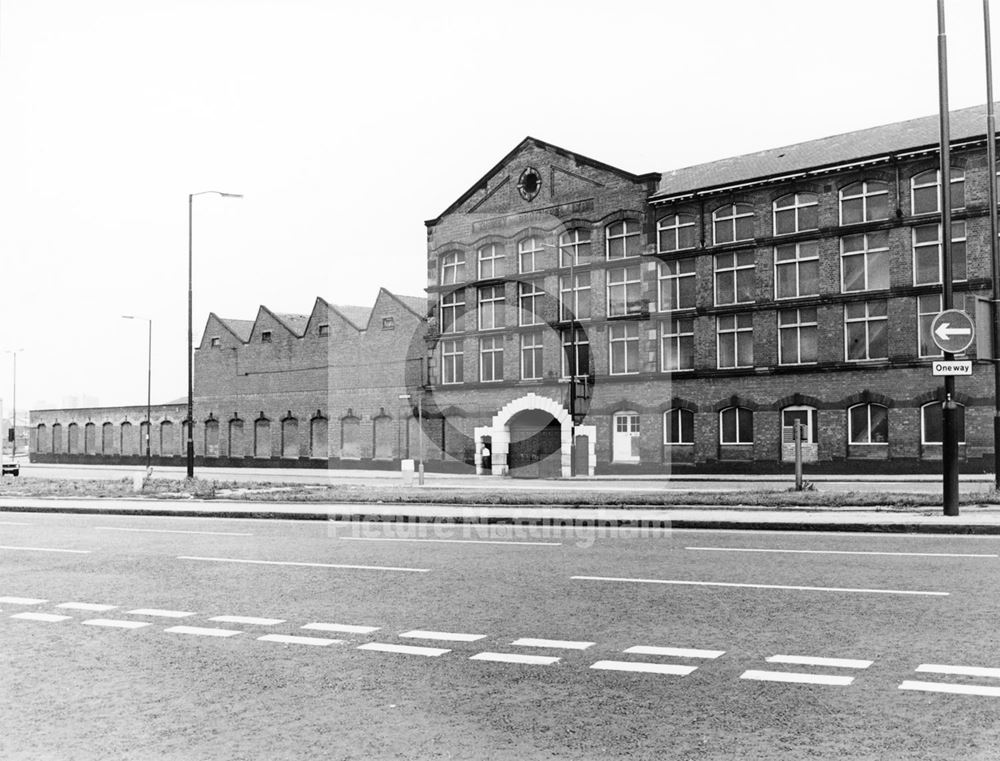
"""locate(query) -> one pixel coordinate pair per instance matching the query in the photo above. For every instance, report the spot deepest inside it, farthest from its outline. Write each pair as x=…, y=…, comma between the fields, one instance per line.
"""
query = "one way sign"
x=953, y=331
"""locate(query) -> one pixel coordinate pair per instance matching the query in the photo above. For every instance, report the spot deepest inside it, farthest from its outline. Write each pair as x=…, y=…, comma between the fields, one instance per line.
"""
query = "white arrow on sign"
x=945, y=331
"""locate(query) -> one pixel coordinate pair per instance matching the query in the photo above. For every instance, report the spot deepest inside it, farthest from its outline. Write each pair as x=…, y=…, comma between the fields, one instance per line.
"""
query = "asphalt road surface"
x=184, y=638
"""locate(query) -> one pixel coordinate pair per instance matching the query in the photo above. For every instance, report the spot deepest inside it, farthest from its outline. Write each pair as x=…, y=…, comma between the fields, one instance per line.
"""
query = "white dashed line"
x=383, y=647
x=290, y=639
x=44, y=549
x=201, y=631
x=306, y=565
x=935, y=668
x=91, y=606
x=788, y=676
x=445, y=541
x=956, y=689
x=554, y=643
x=650, y=668
x=445, y=636
x=159, y=613
x=247, y=620
x=21, y=601
x=170, y=531
x=116, y=624
x=341, y=628
x=531, y=660
x=845, y=552
x=684, y=582
x=804, y=660
x=48, y=617
x=675, y=652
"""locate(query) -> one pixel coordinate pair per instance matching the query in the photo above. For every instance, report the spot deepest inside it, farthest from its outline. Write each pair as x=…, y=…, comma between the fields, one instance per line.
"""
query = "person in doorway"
x=487, y=460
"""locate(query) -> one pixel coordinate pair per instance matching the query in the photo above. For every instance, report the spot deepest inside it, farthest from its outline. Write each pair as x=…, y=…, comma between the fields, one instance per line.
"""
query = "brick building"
x=706, y=310
x=309, y=390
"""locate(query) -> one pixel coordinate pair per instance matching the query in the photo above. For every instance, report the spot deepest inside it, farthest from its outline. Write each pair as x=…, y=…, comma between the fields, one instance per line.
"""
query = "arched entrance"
x=542, y=430
x=535, y=441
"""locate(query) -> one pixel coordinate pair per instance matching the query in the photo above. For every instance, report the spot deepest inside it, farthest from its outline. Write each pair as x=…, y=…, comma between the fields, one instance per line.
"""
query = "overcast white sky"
x=346, y=126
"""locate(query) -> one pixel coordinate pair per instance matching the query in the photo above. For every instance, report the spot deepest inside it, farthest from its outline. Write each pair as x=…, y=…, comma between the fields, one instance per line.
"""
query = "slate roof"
x=357, y=316
x=899, y=137
x=295, y=322
x=417, y=304
x=242, y=328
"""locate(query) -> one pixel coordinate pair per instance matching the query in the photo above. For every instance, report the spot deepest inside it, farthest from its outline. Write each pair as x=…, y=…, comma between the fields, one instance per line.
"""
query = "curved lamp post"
x=190, y=409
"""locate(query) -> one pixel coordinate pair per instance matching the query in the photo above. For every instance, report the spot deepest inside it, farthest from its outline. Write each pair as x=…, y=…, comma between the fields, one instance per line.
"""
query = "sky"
x=346, y=125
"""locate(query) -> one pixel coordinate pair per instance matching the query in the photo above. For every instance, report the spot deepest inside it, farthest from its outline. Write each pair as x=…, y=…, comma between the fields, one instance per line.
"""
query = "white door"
x=807, y=417
x=625, y=439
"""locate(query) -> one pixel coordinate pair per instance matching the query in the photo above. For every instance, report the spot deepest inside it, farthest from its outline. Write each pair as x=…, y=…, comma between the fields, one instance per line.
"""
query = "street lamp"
x=13, y=406
x=190, y=409
x=149, y=382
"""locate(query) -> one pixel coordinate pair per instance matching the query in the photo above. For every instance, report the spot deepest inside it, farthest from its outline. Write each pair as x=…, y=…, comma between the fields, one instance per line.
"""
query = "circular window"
x=529, y=184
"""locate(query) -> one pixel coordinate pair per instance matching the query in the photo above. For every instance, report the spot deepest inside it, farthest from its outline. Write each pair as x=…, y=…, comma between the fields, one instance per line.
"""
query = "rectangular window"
x=735, y=340
x=574, y=248
x=265, y=337
x=796, y=270
x=452, y=268
x=531, y=355
x=866, y=330
x=490, y=261
x=529, y=253
x=216, y=342
x=926, y=190
x=676, y=284
x=678, y=426
x=574, y=296
x=622, y=240
x=491, y=358
x=928, y=307
x=732, y=223
x=864, y=262
x=529, y=298
x=864, y=202
x=491, y=307
x=675, y=233
x=323, y=330
x=624, y=291
x=734, y=277
x=623, y=346
x=796, y=212
x=869, y=424
x=677, y=344
x=576, y=353
x=928, y=255
x=452, y=358
x=797, y=339
x=452, y=311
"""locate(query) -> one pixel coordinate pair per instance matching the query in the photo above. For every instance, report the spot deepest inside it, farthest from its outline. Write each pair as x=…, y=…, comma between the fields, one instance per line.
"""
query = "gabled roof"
x=416, y=304
x=535, y=142
x=849, y=147
x=296, y=323
x=239, y=328
x=357, y=316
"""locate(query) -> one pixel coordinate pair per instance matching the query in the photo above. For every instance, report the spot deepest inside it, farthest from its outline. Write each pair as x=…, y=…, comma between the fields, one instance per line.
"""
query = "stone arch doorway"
x=534, y=422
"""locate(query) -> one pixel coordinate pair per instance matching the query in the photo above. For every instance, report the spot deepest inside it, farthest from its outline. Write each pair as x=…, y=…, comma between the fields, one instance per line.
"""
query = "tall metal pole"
x=149, y=392
x=190, y=346
x=420, y=435
x=13, y=411
x=949, y=439
x=991, y=162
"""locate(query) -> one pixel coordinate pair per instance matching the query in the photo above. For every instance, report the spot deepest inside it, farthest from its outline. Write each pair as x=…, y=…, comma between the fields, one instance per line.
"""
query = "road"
x=181, y=638
x=907, y=484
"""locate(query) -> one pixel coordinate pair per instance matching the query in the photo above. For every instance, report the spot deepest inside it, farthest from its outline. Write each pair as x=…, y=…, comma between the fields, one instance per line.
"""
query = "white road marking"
x=13, y=523
x=247, y=620
x=342, y=628
x=805, y=660
x=677, y=652
x=170, y=531
x=49, y=617
x=21, y=600
x=202, y=631
x=91, y=606
x=684, y=582
x=117, y=624
x=935, y=668
x=559, y=643
x=383, y=647
x=650, y=668
x=446, y=636
x=44, y=549
x=159, y=613
x=846, y=552
x=957, y=689
x=445, y=541
x=788, y=676
x=290, y=639
x=531, y=660
x=306, y=565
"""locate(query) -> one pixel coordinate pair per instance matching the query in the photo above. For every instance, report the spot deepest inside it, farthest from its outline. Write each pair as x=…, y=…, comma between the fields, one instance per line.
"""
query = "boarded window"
x=73, y=436
x=350, y=448
x=236, y=445
x=211, y=438
x=58, y=445
x=90, y=439
x=319, y=438
x=42, y=443
x=383, y=438
x=128, y=442
x=290, y=438
x=168, y=439
x=262, y=438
